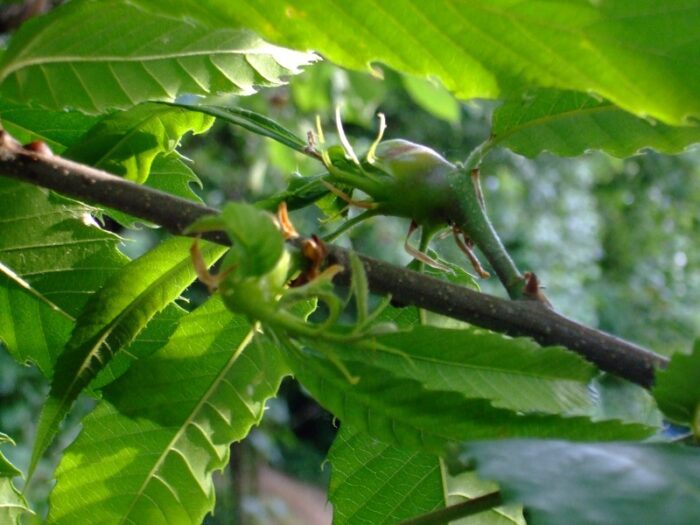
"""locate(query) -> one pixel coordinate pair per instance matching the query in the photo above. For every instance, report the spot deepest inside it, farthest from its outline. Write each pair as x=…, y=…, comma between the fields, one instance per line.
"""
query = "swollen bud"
x=402, y=158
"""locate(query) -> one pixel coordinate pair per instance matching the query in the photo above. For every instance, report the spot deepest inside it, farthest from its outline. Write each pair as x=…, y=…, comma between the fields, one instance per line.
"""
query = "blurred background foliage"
x=614, y=240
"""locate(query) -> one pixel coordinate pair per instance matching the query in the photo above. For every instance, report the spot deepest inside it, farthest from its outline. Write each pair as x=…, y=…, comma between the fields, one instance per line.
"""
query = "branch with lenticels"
x=514, y=318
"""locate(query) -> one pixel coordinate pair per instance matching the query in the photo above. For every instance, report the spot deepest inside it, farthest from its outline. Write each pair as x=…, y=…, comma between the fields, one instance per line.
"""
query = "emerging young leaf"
x=148, y=451
x=594, y=483
x=677, y=389
x=12, y=502
x=126, y=143
x=569, y=123
x=97, y=55
x=111, y=320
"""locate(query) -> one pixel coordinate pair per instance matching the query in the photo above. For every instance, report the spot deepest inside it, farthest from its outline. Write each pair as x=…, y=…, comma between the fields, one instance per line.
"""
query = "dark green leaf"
x=677, y=389
x=569, y=123
x=594, y=484
x=403, y=412
x=251, y=121
x=61, y=252
x=375, y=483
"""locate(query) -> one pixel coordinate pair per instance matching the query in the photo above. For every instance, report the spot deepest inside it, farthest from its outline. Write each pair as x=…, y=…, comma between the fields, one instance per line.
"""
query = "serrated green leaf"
x=58, y=129
x=61, y=252
x=251, y=121
x=169, y=174
x=169, y=428
x=569, y=124
x=513, y=373
x=677, y=389
x=12, y=502
x=376, y=483
x=401, y=411
x=432, y=97
x=111, y=320
x=634, y=53
x=594, y=484
x=126, y=143
x=96, y=55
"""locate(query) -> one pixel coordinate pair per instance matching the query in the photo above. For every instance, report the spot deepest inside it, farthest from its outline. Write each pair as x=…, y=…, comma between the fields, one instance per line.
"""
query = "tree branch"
x=515, y=318
x=460, y=510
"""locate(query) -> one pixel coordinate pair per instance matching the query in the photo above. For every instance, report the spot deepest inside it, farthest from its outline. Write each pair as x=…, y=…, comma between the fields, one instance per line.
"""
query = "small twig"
x=461, y=510
x=515, y=318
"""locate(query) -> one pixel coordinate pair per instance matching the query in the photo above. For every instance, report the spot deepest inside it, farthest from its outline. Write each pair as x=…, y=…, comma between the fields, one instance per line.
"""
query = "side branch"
x=515, y=318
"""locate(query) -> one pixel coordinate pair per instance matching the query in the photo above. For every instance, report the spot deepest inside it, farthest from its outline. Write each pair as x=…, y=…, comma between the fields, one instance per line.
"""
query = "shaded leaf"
x=58, y=129
x=126, y=143
x=170, y=174
x=169, y=429
x=251, y=121
x=466, y=486
x=400, y=411
x=97, y=55
x=111, y=320
x=569, y=123
x=677, y=389
x=594, y=484
x=513, y=373
x=634, y=53
x=61, y=252
x=374, y=483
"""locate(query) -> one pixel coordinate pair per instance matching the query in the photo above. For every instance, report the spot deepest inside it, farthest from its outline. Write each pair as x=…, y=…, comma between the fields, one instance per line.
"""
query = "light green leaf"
x=111, y=320
x=635, y=53
x=513, y=373
x=58, y=129
x=12, y=502
x=251, y=121
x=376, y=483
x=169, y=429
x=126, y=143
x=96, y=55
x=465, y=486
x=677, y=389
x=61, y=252
x=569, y=123
x=401, y=411
x=432, y=97
x=594, y=484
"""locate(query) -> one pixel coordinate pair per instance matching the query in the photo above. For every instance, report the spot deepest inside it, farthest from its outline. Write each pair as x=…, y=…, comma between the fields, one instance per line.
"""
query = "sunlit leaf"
x=112, y=318
x=12, y=503
x=634, y=53
x=126, y=143
x=169, y=429
x=96, y=55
